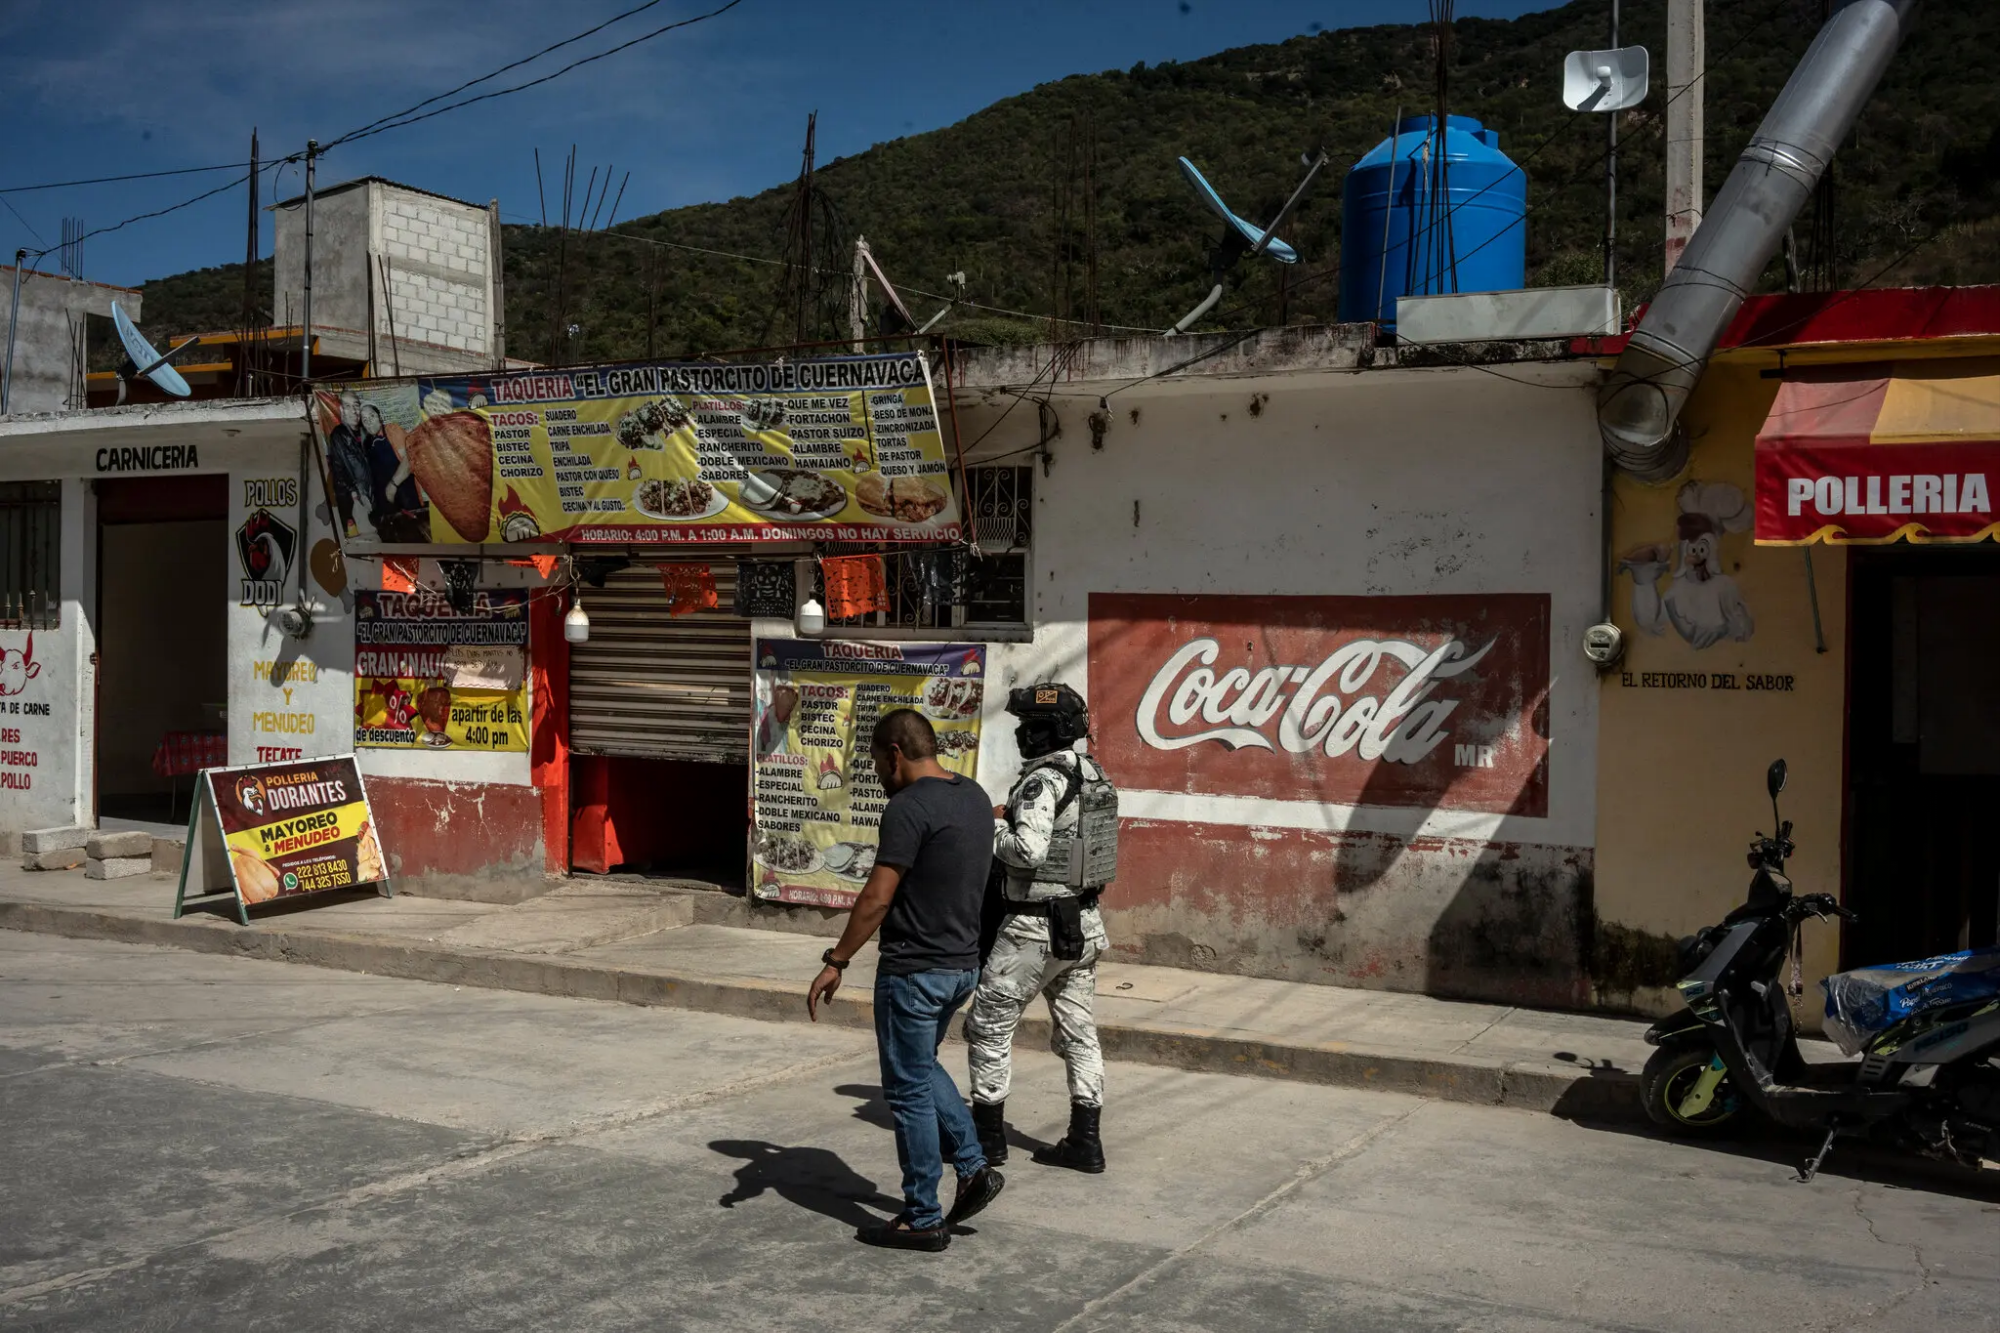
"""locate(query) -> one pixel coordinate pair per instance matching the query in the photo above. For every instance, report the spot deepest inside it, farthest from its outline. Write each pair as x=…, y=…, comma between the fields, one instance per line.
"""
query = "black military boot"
x=990, y=1119
x=1080, y=1149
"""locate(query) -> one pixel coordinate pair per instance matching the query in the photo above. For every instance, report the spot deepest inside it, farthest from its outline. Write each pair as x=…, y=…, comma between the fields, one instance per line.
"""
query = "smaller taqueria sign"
x=271, y=831
x=1393, y=701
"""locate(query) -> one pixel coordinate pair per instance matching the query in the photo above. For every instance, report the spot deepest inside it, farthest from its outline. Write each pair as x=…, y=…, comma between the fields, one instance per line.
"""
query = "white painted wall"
x=45, y=728
x=288, y=698
x=1382, y=482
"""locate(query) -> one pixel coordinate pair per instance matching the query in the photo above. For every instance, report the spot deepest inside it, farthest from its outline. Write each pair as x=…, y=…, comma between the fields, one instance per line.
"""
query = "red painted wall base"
x=481, y=829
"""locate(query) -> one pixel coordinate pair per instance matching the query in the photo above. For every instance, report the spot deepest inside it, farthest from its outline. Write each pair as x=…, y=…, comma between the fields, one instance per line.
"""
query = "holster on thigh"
x=1066, y=929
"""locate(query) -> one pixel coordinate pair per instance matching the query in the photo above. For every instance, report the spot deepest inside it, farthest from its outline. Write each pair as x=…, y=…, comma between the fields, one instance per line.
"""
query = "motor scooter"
x=1928, y=1082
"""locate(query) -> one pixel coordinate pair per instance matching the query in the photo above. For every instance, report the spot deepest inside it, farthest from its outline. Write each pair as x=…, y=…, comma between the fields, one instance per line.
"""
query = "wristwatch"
x=834, y=963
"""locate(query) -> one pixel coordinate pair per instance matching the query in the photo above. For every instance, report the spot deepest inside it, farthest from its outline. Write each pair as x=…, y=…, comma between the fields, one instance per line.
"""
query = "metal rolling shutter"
x=660, y=686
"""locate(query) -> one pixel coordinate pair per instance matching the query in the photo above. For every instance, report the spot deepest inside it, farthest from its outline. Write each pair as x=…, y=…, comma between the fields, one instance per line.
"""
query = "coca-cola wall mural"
x=1425, y=701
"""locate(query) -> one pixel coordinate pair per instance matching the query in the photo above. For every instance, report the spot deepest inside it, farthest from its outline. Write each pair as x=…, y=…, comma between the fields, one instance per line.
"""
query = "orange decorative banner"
x=690, y=588
x=855, y=585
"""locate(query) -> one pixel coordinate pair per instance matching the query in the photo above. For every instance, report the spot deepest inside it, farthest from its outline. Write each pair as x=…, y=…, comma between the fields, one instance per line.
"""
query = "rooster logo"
x=265, y=545
x=250, y=795
x=17, y=667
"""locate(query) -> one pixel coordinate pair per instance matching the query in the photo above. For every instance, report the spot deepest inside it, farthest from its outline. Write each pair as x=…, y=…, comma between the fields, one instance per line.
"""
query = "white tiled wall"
x=438, y=259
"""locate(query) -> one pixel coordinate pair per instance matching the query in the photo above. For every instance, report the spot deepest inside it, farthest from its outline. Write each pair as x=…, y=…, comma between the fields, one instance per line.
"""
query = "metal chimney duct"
x=1639, y=407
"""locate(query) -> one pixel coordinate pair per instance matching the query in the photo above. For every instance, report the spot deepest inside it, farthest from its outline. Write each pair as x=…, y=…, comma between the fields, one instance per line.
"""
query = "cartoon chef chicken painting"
x=1703, y=604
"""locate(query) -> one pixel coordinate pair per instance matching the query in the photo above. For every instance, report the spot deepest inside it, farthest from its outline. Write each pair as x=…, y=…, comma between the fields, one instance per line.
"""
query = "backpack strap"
x=1073, y=789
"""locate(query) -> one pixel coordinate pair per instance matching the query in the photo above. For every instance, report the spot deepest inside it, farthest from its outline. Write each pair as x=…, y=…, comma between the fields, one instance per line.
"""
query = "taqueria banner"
x=1868, y=454
x=429, y=676
x=835, y=449
x=816, y=802
x=269, y=831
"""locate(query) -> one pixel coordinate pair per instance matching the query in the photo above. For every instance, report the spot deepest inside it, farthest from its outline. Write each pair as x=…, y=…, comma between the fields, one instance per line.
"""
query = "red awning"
x=1880, y=453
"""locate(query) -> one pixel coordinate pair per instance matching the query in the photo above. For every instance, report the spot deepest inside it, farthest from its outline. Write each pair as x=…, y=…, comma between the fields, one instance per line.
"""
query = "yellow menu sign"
x=832, y=449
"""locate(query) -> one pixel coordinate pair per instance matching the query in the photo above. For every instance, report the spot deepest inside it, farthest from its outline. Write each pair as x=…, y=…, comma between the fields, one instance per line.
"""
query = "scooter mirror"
x=1774, y=779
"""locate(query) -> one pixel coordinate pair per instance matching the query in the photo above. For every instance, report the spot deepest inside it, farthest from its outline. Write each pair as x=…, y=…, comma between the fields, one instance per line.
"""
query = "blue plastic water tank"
x=1386, y=213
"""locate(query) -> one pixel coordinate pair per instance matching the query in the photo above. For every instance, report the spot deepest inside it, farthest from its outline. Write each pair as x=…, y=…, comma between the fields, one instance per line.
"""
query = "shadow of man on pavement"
x=815, y=1179
x=873, y=1108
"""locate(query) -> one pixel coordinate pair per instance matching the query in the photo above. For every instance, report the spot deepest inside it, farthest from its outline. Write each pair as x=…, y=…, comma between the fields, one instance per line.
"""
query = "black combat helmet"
x=1053, y=717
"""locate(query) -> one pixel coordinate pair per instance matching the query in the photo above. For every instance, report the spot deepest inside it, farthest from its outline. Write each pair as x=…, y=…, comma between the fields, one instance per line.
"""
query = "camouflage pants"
x=1018, y=970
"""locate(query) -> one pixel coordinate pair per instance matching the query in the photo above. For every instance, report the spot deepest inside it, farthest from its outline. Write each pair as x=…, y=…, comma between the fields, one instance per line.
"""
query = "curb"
x=1529, y=1087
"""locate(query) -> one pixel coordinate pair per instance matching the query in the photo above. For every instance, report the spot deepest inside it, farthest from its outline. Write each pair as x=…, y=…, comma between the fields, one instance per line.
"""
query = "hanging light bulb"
x=576, y=625
x=811, y=617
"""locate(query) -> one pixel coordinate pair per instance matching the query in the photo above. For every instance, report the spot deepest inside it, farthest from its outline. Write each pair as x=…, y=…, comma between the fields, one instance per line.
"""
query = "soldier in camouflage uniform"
x=1043, y=921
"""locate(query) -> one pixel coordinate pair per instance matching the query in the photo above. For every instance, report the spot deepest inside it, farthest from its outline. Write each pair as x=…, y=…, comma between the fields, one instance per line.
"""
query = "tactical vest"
x=1084, y=856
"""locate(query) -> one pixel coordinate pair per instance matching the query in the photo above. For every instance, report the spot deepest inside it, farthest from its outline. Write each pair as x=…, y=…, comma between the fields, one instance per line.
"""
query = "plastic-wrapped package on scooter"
x=1870, y=1000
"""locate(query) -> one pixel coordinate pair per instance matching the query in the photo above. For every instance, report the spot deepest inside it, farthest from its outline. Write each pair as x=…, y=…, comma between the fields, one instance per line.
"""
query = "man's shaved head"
x=906, y=730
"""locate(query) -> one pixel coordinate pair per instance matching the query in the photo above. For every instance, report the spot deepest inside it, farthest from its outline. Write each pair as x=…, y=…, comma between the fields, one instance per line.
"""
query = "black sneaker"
x=898, y=1234
x=974, y=1193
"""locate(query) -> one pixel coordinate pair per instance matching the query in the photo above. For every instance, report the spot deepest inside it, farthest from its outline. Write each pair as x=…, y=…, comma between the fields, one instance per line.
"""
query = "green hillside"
x=980, y=197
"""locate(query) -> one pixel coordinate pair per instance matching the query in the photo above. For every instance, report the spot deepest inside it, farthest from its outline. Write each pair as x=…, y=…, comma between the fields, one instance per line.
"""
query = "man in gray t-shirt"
x=925, y=893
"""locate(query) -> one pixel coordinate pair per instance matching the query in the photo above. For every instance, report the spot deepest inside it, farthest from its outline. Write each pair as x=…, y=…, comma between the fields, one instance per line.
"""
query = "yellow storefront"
x=1853, y=658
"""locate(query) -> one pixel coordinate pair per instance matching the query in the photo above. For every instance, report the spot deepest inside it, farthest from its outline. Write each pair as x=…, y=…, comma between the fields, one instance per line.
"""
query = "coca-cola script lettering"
x=1399, y=701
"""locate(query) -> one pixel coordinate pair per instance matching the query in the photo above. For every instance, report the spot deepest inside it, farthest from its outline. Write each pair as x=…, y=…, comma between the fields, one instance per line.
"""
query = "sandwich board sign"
x=267, y=832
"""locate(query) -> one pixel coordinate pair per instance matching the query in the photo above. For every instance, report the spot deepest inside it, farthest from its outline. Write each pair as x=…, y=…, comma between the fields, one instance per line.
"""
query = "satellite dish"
x=1606, y=80
x=1275, y=248
x=150, y=364
x=1243, y=239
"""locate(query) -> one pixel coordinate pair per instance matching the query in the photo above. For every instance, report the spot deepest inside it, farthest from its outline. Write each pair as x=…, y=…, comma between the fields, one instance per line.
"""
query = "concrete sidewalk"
x=618, y=940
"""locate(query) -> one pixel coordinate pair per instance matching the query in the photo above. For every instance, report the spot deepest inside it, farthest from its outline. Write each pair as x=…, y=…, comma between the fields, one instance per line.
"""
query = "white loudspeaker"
x=1606, y=80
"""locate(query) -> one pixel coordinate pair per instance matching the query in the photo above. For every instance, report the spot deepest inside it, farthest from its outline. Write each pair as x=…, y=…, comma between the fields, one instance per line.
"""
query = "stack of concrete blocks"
x=54, y=848
x=118, y=855
x=102, y=854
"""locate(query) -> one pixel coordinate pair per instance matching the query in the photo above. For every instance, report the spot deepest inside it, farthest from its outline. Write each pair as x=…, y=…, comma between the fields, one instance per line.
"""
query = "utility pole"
x=306, y=343
x=497, y=268
x=1610, y=178
x=1687, y=65
x=13, y=323
x=857, y=296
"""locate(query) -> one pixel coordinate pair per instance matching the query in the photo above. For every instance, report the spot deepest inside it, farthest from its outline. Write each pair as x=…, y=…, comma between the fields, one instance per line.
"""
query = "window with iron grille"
x=30, y=528
x=985, y=587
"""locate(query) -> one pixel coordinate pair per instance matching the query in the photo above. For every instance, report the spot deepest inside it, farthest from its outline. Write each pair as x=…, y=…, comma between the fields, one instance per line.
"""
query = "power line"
x=402, y=120
x=473, y=83
x=24, y=222
x=395, y=121
x=158, y=212
x=135, y=176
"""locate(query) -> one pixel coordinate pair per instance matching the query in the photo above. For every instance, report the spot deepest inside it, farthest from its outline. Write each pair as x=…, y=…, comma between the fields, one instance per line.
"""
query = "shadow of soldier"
x=815, y=1179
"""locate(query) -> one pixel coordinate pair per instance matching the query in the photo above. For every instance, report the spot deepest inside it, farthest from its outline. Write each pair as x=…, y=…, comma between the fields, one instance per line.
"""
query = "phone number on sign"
x=322, y=875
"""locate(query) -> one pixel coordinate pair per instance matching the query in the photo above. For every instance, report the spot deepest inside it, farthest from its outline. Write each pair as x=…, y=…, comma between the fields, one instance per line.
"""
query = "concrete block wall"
x=50, y=351
x=433, y=255
x=441, y=283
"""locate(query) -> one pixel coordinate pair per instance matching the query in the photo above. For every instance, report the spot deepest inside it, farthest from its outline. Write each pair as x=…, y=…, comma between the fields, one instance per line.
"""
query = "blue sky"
x=103, y=87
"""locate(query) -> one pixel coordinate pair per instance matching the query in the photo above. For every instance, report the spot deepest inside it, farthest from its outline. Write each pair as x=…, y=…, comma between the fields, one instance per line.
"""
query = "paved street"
x=203, y=1142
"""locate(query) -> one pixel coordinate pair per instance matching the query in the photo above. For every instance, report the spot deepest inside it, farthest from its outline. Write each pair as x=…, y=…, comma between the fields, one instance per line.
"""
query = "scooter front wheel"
x=1687, y=1093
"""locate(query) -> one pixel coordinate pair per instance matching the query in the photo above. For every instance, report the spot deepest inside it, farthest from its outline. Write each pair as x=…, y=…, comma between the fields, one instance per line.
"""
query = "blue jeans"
x=911, y=1016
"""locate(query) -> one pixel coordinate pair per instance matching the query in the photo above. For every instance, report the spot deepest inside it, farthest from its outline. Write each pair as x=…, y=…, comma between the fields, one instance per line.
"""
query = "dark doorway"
x=1923, y=753
x=162, y=635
